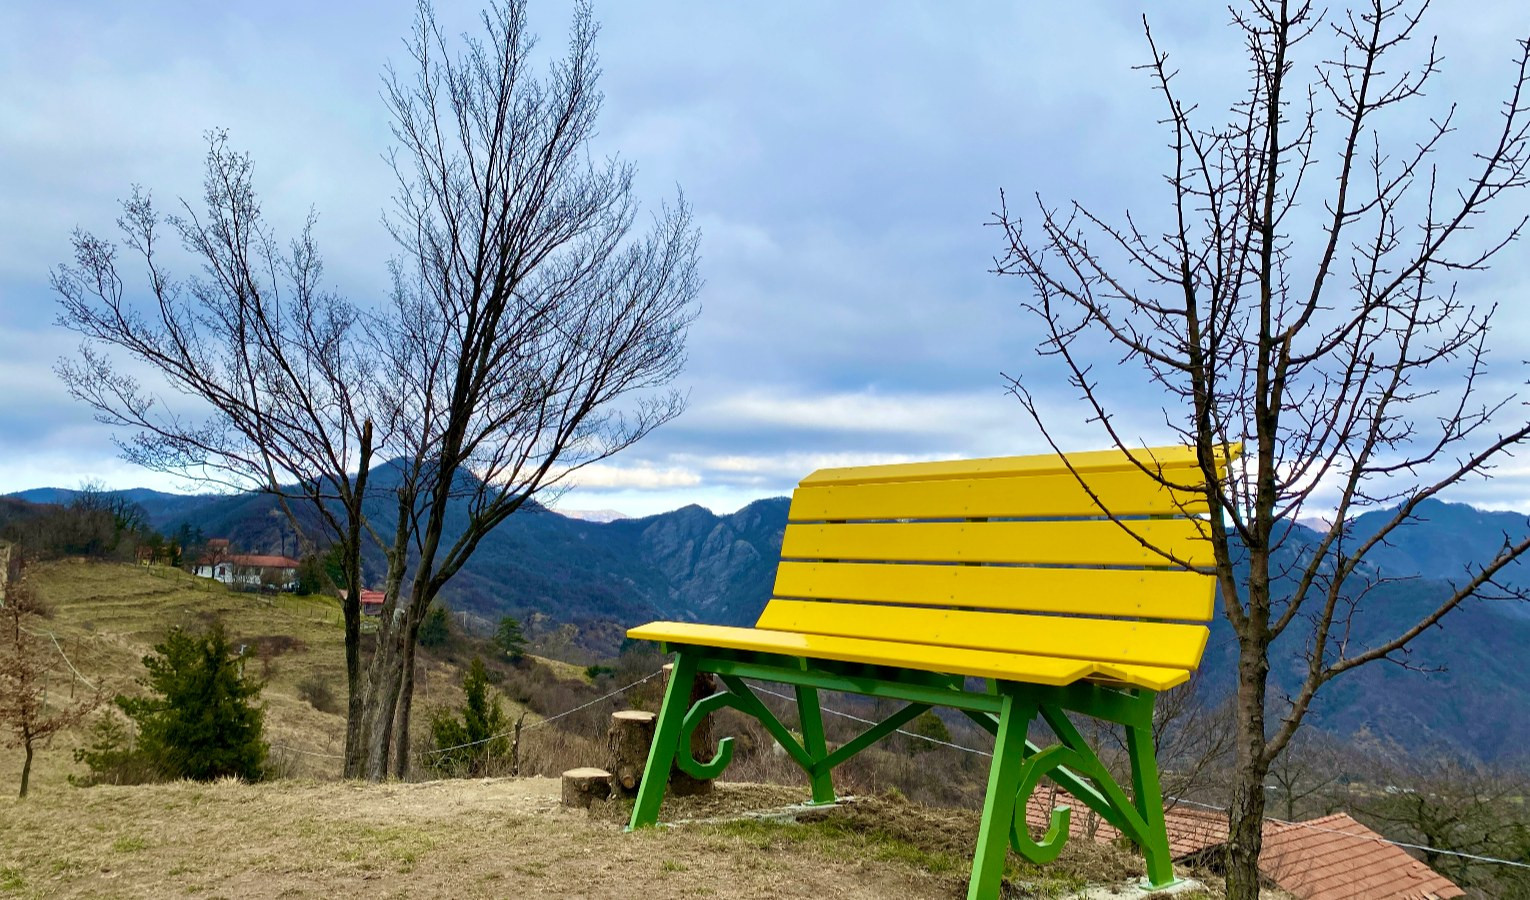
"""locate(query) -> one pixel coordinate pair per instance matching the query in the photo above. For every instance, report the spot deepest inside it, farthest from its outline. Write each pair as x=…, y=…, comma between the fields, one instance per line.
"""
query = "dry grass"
x=561, y=669
x=107, y=616
x=493, y=837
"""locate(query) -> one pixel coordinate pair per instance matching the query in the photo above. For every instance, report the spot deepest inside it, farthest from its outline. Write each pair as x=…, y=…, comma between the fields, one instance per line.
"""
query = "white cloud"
x=869, y=412
x=608, y=476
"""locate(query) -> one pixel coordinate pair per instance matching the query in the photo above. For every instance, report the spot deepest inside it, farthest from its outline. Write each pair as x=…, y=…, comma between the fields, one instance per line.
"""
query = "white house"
x=247, y=569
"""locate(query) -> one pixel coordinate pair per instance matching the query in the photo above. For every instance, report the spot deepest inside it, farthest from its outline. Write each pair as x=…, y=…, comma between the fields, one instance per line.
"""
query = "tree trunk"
x=1246, y=814
x=581, y=787
x=355, y=732
x=26, y=770
x=382, y=702
x=1246, y=837
x=401, y=722
x=627, y=743
x=515, y=747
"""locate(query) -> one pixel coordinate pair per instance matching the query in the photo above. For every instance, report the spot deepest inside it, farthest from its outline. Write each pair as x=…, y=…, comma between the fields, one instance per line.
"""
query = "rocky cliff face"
x=716, y=569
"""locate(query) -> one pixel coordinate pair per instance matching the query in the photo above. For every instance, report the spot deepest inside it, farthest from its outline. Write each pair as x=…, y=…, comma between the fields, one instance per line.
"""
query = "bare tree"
x=1311, y=764
x=532, y=330
x=256, y=341
x=1458, y=814
x=28, y=713
x=1324, y=335
x=526, y=312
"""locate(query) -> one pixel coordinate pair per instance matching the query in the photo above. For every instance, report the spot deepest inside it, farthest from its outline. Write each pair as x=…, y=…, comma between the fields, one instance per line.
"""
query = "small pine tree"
x=198, y=722
x=436, y=628
x=113, y=756
x=310, y=575
x=467, y=746
x=928, y=725
x=510, y=639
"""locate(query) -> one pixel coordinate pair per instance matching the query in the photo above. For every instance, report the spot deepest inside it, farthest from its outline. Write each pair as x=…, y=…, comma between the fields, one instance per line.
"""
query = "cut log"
x=703, y=744
x=627, y=744
x=581, y=787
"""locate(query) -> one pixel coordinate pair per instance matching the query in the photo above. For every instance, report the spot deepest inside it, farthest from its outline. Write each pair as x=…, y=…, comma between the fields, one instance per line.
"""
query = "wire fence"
x=549, y=719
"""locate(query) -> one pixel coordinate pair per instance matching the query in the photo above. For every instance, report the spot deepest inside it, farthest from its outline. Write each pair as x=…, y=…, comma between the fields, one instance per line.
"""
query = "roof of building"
x=263, y=562
x=1332, y=858
x=1337, y=858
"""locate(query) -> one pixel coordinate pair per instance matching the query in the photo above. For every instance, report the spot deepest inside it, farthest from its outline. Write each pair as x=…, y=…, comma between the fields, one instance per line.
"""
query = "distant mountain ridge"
x=593, y=515
x=690, y=564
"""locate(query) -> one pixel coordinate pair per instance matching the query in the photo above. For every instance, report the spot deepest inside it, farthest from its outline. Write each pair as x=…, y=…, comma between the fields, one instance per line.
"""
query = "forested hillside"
x=552, y=572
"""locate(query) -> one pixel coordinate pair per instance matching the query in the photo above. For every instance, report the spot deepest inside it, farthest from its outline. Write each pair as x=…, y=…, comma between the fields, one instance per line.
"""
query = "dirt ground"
x=485, y=838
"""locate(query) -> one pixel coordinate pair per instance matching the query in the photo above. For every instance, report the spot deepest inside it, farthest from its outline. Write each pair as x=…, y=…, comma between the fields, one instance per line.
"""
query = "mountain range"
x=1461, y=688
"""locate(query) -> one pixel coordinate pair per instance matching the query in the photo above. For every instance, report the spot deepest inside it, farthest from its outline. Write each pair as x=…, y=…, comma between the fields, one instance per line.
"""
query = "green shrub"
x=436, y=628
x=197, y=722
x=509, y=638
x=113, y=757
x=928, y=725
x=316, y=691
x=468, y=746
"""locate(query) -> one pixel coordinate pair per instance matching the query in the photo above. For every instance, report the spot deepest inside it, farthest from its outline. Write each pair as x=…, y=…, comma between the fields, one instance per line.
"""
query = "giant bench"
x=1007, y=589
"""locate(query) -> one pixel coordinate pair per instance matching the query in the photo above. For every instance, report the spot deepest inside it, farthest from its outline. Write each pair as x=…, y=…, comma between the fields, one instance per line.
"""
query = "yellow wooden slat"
x=1045, y=543
x=1020, y=496
x=1106, y=640
x=950, y=660
x=1171, y=457
x=1136, y=593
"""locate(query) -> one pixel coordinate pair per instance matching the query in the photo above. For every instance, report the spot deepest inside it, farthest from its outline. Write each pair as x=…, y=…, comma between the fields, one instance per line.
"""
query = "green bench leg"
x=813, y=741
x=666, y=741
x=999, y=804
x=1148, y=800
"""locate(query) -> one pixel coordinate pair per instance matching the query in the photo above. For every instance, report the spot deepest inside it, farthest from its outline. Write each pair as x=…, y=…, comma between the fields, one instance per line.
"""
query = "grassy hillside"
x=107, y=616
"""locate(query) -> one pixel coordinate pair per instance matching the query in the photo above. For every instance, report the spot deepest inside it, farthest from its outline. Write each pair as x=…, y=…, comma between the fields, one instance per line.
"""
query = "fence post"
x=10, y=562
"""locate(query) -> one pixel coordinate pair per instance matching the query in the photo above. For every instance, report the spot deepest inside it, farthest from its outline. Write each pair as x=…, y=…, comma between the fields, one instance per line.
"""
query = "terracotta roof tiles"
x=1337, y=858
x=263, y=562
x=1332, y=858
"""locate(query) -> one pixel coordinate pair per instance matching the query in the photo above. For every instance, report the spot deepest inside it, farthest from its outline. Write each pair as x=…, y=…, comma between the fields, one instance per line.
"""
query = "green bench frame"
x=1006, y=708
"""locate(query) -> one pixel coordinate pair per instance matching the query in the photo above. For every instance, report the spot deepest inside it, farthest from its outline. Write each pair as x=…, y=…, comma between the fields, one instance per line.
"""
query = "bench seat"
x=1035, y=669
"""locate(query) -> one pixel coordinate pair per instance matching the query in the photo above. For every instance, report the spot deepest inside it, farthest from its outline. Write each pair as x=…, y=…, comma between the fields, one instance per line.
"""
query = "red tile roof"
x=263, y=562
x=1332, y=858
x=371, y=601
x=1337, y=858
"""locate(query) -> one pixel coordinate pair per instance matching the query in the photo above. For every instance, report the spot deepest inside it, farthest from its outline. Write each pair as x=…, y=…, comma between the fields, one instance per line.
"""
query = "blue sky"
x=842, y=161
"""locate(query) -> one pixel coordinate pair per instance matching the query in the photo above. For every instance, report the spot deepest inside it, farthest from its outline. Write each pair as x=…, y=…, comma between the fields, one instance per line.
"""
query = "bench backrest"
x=1011, y=554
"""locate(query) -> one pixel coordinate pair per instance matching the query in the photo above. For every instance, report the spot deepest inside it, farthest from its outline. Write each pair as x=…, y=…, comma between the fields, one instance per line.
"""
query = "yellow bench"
x=1065, y=585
